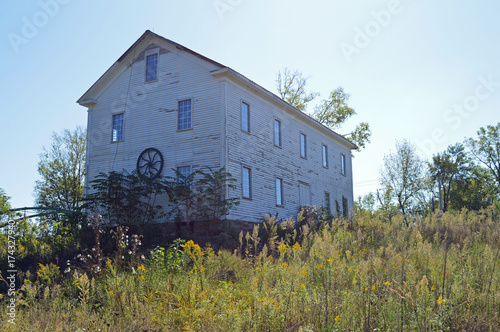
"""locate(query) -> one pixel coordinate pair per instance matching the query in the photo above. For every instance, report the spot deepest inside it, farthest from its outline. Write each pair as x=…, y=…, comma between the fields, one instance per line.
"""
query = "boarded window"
x=304, y=194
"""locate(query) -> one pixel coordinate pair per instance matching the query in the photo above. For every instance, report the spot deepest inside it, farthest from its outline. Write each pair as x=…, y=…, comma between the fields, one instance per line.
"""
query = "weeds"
x=368, y=273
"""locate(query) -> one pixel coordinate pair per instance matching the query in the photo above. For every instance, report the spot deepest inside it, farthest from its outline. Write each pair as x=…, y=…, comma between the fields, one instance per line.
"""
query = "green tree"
x=62, y=170
x=365, y=203
x=486, y=150
x=214, y=186
x=333, y=111
x=475, y=191
x=125, y=198
x=446, y=169
x=403, y=177
x=4, y=207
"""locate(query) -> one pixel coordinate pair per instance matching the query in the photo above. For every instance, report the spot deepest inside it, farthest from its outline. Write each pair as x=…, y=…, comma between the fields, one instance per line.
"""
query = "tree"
x=215, y=202
x=475, y=191
x=332, y=112
x=125, y=198
x=62, y=169
x=402, y=176
x=4, y=207
x=292, y=89
x=486, y=149
x=365, y=203
x=446, y=169
x=201, y=195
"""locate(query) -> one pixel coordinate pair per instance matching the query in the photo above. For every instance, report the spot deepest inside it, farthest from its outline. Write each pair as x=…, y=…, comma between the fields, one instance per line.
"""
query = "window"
x=279, y=191
x=327, y=202
x=152, y=67
x=345, y=208
x=303, y=152
x=277, y=132
x=245, y=117
x=117, y=128
x=183, y=173
x=184, y=114
x=247, y=182
x=325, y=156
x=342, y=164
x=304, y=194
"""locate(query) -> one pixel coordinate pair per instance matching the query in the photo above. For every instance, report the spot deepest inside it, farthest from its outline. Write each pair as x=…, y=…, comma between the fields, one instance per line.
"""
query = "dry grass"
x=366, y=274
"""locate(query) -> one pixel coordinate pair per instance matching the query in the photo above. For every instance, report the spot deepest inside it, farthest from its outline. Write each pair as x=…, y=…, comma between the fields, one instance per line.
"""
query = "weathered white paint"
x=216, y=139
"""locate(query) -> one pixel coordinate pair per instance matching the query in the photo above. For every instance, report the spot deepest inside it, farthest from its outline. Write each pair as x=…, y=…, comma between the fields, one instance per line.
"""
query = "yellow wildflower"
x=338, y=318
x=141, y=268
x=282, y=248
x=387, y=283
x=441, y=301
x=296, y=247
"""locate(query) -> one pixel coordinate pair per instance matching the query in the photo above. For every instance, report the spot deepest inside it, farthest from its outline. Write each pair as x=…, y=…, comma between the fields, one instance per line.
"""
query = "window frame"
x=179, y=171
x=247, y=129
x=113, y=128
x=279, y=137
x=307, y=187
x=278, y=195
x=147, y=55
x=303, y=145
x=345, y=207
x=324, y=155
x=328, y=202
x=243, y=168
x=179, y=114
x=342, y=164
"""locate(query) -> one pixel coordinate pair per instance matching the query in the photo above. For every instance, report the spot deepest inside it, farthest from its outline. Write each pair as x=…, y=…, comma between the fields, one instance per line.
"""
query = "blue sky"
x=422, y=70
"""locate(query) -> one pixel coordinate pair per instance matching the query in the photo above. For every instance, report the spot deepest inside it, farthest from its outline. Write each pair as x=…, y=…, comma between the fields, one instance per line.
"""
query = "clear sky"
x=423, y=70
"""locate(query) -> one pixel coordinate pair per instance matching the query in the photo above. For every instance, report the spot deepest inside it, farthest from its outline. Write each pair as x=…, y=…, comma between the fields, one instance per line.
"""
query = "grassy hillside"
x=366, y=274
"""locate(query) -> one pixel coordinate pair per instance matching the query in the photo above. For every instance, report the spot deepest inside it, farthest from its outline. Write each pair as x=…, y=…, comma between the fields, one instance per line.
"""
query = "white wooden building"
x=197, y=112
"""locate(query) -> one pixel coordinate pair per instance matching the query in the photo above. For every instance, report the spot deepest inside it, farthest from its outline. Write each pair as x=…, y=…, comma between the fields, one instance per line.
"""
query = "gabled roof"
x=85, y=101
x=223, y=71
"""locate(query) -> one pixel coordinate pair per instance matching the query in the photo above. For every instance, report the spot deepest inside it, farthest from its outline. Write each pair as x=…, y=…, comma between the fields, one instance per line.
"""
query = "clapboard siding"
x=150, y=116
x=216, y=139
x=268, y=162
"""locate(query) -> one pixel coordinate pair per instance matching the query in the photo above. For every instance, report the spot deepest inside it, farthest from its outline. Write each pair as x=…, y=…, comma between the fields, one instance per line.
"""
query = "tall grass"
x=365, y=274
